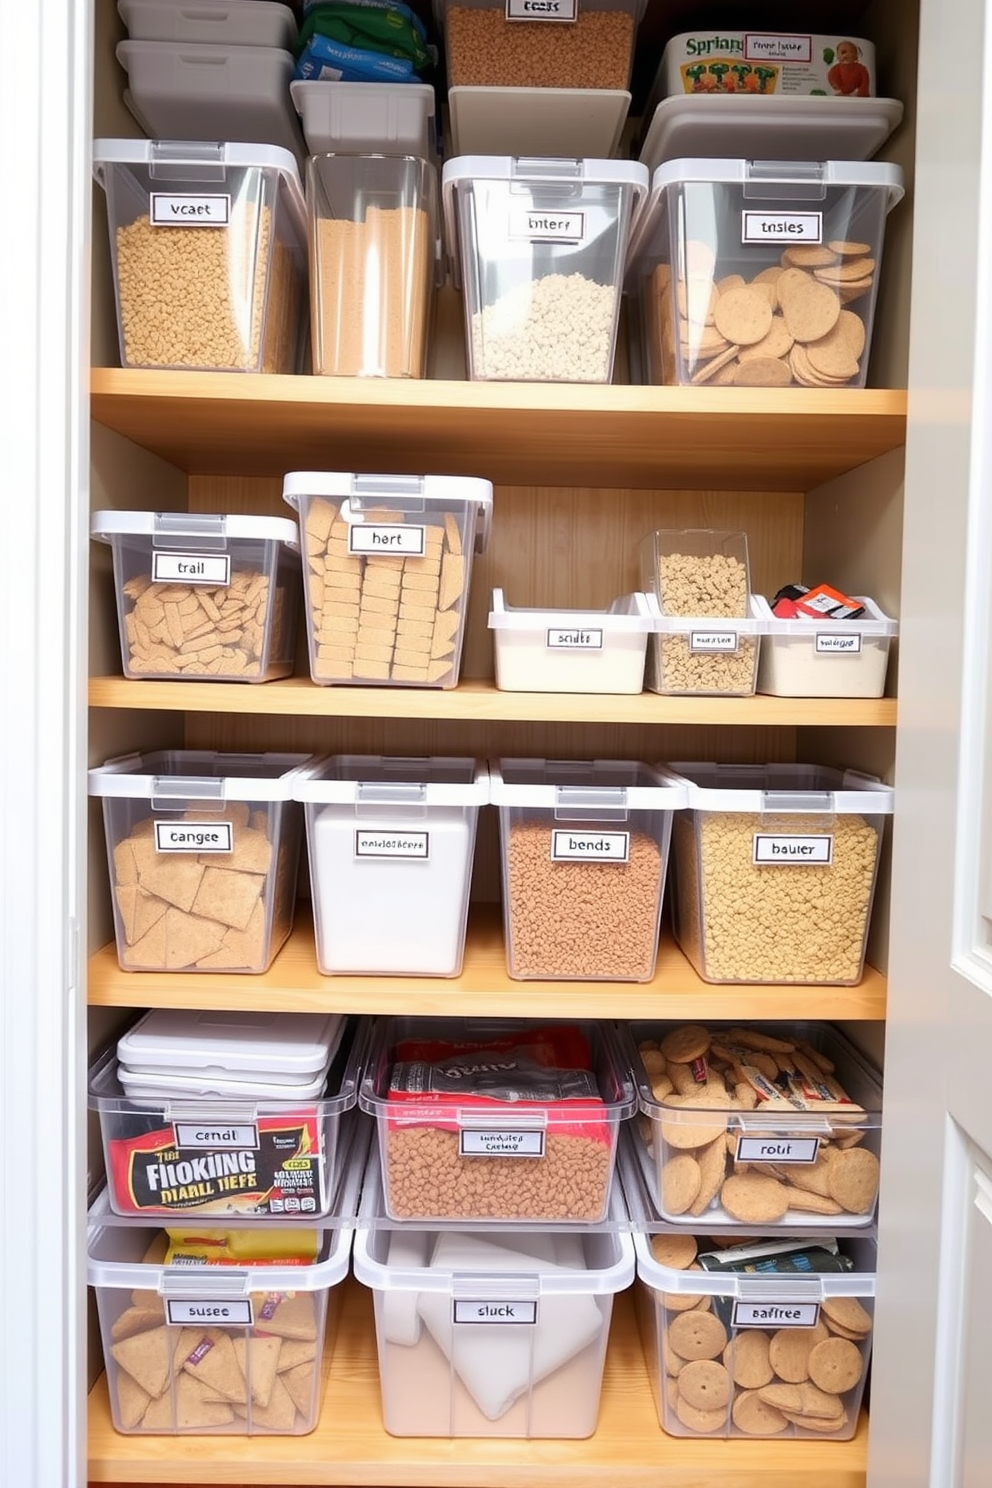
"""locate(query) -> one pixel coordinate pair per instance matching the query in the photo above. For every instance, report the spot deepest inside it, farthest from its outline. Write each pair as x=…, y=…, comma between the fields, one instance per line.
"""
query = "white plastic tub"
x=812, y=658
x=366, y=118
x=254, y=23
x=572, y=650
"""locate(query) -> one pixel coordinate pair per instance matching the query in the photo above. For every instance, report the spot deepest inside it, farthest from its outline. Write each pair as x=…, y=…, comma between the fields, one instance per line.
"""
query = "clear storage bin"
x=203, y=849
x=539, y=246
x=208, y=247
x=496, y=1119
x=760, y=273
x=201, y=596
x=814, y=658
x=389, y=563
x=391, y=843
x=575, y=44
x=775, y=869
x=572, y=650
x=585, y=852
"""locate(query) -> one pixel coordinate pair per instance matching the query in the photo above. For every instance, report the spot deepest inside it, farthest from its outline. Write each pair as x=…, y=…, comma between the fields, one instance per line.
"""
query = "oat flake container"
x=208, y=248
x=775, y=869
x=539, y=247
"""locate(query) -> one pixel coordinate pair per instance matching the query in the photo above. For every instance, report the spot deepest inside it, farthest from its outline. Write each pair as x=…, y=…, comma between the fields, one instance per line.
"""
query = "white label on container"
x=495, y=1311
x=192, y=568
x=802, y=851
x=834, y=644
x=760, y=47
x=369, y=537
x=481, y=1143
x=781, y=227
x=194, y=837
x=167, y=209
x=591, y=847
x=239, y=1135
x=575, y=640
x=542, y=10
x=392, y=844
x=777, y=1149
x=713, y=641
x=776, y=1314
x=237, y=1313
x=546, y=227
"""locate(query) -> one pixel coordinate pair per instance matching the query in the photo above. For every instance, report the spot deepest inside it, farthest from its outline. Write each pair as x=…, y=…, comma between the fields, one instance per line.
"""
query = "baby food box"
x=765, y=62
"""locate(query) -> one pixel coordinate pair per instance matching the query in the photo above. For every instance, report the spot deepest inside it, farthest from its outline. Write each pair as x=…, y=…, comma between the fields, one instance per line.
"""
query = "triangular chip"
x=252, y=852
x=259, y=1360
x=452, y=580
x=185, y=1409
x=446, y=624
x=228, y=897
x=188, y=938
x=148, y=953
x=290, y=1317
x=245, y=947
x=135, y=1320
x=296, y=1351
x=299, y=1382
x=132, y=1401
x=139, y=911
x=438, y=668
x=172, y=876
x=278, y=1415
x=146, y=1358
x=125, y=868
x=213, y=1362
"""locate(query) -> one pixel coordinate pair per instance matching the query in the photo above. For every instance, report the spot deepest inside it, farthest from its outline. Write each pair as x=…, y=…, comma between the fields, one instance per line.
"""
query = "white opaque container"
x=254, y=23
x=366, y=118
x=391, y=845
x=599, y=651
x=812, y=658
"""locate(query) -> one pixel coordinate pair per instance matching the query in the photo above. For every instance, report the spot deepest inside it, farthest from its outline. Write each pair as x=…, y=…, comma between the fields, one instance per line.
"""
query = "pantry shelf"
x=691, y=438
x=294, y=985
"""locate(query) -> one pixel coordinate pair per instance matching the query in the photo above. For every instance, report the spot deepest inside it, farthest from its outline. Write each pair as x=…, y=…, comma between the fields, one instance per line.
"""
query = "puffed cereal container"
x=208, y=244
x=758, y=273
x=797, y=1099
x=538, y=247
x=814, y=658
x=388, y=569
x=496, y=1119
x=203, y=849
x=775, y=870
x=561, y=44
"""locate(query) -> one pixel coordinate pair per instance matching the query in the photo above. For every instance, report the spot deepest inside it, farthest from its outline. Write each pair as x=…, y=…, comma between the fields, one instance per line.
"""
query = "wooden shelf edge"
x=350, y=1446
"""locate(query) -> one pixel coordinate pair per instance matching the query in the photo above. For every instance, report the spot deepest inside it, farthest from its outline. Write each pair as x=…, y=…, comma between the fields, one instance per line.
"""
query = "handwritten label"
x=776, y=1314
x=191, y=568
x=226, y=1313
x=592, y=847
x=375, y=538
x=194, y=837
x=713, y=641
x=187, y=210
x=480, y=1143
x=465, y=1311
x=834, y=644
x=773, y=48
x=777, y=1149
x=546, y=227
x=781, y=227
x=392, y=845
x=799, y=851
x=240, y=1136
x=575, y=640
x=542, y=10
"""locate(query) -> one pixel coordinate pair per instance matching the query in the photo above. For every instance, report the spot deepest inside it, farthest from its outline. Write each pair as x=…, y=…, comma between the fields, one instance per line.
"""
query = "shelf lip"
x=482, y=702
x=214, y=423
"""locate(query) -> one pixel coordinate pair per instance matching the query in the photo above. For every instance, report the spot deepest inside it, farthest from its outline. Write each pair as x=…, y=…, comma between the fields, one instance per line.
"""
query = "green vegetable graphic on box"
x=828, y=55
x=765, y=75
x=719, y=71
x=741, y=70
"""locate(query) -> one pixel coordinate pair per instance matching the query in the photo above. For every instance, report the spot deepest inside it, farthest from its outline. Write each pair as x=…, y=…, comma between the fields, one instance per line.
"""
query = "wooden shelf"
x=481, y=702
x=743, y=439
x=294, y=985
x=350, y=1447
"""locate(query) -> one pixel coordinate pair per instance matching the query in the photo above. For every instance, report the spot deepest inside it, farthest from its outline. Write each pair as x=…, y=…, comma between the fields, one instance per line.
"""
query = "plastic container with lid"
x=496, y=1119
x=775, y=870
x=208, y=1050
x=389, y=565
x=202, y=596
x=760, y=273
x=208, y=248
x=572, y=650
x=391, y=843
x=203, y=849
x=366, y=118
x=812, y=658
x=570, y=44
x=251, y=23
x=539, y=246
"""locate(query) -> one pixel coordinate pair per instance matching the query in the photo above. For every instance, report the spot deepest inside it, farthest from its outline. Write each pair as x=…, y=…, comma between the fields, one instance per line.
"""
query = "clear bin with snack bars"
x=571, y=44
x=817, y=658
x=202, y=596
x=203, y=849
x=758, y=273
x=556, y=650
x=208, y=244
x=767, y=1126
x=775, y=869
x=388, y=569
x=496, y=1119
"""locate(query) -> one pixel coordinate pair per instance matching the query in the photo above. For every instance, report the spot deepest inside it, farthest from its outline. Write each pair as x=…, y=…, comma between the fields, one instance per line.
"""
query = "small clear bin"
x=720, y=1105
x=204, y=597
x=208, y=247
x=775, y=1341
x=775, y=870
x=585, y=852
x=373, y=261
x=812, y=658
x=760, y=273
x=572, y=650
x=573, y=44
x=496, y=1119
x=203, y=849
x=539, y=246
x=389, y=563
x=391, y=843
x=490, y=1332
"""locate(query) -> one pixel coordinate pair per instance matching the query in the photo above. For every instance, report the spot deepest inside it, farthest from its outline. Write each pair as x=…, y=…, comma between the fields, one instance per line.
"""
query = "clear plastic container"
x=366, y=118
x=494, y=1332
x=259, y=23
x=793, y=1105
x=391, y=844
x=208, y=597
x=812, y=658
x=389, y=564
x=760, y=273
x=208, y=247
x=496, y=1119
x=572, y=650
x=203, y=850
x=775, y=869
x=585, y=853
x=575, y=44
x=539, y=246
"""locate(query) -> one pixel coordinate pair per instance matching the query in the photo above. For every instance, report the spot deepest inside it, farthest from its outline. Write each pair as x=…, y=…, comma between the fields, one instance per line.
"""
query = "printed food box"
x=764, y=62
